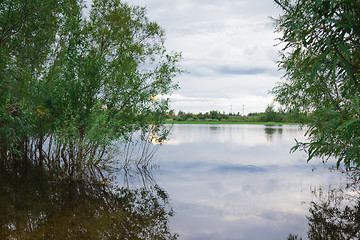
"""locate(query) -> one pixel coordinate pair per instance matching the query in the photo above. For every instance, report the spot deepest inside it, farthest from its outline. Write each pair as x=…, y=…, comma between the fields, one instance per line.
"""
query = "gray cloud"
x=228, y=49
x=242, y=70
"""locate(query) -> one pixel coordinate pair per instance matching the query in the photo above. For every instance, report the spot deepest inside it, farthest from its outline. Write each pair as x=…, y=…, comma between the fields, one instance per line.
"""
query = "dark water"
x=222, y=181
x=34, y=207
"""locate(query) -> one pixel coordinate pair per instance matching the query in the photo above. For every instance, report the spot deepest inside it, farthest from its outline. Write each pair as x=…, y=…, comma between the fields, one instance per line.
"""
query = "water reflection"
x=34, y=207
x=214, y=128
x=270, y=131
x=241, y=135
x=335, y=212
x=234, y=183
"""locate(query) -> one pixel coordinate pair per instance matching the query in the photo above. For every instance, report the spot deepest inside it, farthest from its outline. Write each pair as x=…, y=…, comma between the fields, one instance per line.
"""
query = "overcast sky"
x=228, y=50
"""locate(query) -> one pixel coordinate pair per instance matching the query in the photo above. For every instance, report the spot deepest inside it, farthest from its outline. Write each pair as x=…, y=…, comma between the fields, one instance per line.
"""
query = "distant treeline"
x=270, y=115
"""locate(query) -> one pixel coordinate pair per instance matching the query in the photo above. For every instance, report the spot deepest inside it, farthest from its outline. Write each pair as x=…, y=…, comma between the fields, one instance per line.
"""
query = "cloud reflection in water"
x=238, y=181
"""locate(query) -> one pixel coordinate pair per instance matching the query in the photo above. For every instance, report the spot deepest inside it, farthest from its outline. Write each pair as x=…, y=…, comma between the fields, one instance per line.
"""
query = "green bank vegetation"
x=269, y=117
x=229, y=123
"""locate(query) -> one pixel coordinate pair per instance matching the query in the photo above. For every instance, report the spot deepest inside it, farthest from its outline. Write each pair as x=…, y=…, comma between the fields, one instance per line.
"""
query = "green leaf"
x=348, y=123
x=314, y=70
x=344, y=49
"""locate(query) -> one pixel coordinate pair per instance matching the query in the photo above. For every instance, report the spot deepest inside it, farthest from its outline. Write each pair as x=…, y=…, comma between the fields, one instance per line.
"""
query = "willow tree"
x=94, y=82
x=28, y=32
x=321, y=60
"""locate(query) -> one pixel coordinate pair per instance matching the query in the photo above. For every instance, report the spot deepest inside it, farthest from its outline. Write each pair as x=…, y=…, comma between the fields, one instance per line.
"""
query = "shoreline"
x=233, y=123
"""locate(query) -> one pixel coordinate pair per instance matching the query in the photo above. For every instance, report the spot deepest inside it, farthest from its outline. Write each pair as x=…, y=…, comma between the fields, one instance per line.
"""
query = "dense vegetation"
x=270, y=115
x=321, y=61
x=71, y=85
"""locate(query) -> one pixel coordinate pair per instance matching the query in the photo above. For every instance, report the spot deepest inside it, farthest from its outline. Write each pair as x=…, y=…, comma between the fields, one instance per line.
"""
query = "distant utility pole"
x=230, y=110
x=243, y=112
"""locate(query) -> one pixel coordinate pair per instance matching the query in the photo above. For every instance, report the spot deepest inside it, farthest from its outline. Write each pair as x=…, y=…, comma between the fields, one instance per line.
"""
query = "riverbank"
x=240, y=123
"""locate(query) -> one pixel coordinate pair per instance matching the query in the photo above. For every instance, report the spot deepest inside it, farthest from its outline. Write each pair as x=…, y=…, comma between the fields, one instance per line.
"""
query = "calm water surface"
x=223, y=181
x=239, y=181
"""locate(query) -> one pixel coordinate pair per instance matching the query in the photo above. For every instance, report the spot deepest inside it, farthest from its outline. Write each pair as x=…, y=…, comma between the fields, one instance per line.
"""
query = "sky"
x=229, y=51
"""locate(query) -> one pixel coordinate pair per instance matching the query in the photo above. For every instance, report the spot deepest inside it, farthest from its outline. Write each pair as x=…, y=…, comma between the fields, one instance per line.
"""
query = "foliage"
x=294, y=237
x=270, y=115
x=322, y=73
x=209, y=116
x=70, y=86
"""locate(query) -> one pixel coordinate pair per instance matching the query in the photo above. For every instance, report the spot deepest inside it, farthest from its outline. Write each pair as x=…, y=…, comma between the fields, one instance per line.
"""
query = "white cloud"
x=242, y=105
x=228, y=50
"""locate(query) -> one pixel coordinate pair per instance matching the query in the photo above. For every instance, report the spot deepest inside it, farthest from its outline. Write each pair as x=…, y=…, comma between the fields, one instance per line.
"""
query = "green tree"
x=77, y=85
x=201, y=116
x=270, y=115
x=29, y=30
x=321, y=60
